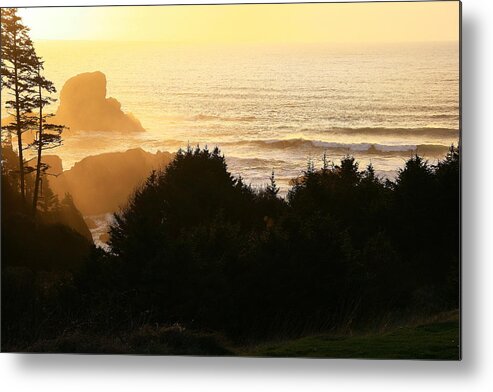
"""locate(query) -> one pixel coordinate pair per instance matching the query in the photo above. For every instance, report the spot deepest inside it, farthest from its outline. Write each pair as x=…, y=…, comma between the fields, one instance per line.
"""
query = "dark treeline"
x=198, y=248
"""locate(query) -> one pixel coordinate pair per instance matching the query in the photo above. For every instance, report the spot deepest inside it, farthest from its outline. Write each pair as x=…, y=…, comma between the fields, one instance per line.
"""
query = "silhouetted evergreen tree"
x=18, y=70
x=413, y=220
x=272, y=189
x=48, y=135
x=180, y=231
x=446, y=209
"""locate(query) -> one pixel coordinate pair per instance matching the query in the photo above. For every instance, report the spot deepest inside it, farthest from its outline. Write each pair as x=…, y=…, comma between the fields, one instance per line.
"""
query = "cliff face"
x=55, y=216
x=55, y=164
x=103, y=183
x=84, y=106
x=68, y=215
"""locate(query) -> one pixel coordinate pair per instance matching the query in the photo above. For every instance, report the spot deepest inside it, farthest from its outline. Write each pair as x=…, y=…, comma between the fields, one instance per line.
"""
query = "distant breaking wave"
x=210, y=117
x=260, y=122
x=428, y=131
x=368, y=148
x=205, y=117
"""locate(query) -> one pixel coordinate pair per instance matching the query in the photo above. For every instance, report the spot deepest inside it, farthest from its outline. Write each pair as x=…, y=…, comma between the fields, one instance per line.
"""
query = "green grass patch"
x=438, y=341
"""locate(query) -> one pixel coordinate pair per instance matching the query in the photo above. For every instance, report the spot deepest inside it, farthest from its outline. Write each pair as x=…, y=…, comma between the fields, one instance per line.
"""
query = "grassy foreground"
x=438, y=340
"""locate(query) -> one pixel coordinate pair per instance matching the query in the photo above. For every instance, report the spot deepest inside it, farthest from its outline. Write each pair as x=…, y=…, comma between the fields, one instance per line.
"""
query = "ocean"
x=272, y=107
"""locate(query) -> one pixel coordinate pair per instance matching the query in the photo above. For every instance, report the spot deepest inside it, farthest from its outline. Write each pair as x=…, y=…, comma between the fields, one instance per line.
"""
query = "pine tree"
x=48, y=135
x=325, y=165
x=17, y=71
x=272, y=188
x=348, y=171
x=369, y=173
x=310, y=167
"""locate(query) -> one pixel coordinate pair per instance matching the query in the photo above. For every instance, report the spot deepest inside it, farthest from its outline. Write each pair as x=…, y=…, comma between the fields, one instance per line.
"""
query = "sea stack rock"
x=84, y=106
x=103, y=183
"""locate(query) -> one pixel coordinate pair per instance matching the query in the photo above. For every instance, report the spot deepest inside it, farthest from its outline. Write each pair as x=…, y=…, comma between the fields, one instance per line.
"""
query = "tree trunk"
x=18, y=118
x=40, y=150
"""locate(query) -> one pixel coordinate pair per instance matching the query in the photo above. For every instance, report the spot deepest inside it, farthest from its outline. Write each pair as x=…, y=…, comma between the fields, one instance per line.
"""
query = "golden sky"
x=267, y=23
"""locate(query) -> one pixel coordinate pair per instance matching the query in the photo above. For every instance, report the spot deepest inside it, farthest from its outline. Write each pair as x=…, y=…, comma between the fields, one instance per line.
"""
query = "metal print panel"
x=278, y=180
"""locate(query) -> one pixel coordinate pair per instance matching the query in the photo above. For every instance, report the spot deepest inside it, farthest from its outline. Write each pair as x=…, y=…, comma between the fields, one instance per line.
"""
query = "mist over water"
x=272, y=107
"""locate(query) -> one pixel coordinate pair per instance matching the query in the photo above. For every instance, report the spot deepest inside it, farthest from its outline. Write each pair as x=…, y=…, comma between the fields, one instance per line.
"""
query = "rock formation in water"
x=103, y=183
x=84, y=106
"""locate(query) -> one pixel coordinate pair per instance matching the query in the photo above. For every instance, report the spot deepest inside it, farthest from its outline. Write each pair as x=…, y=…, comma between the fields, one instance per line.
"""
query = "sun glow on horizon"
x=254, y=23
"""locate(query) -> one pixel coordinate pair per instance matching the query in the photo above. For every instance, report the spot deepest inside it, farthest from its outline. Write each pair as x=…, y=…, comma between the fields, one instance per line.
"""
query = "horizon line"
x=244, y=42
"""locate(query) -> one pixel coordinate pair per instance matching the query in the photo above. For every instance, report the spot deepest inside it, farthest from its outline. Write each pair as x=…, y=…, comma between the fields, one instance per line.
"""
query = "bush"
x=173, y=340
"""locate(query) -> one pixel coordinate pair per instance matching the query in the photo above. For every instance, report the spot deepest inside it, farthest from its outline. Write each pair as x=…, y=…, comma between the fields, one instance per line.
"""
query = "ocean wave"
x=425, y=131
x=367, y=148
x=248, y=163
x=444, y=116
x=207, y=117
